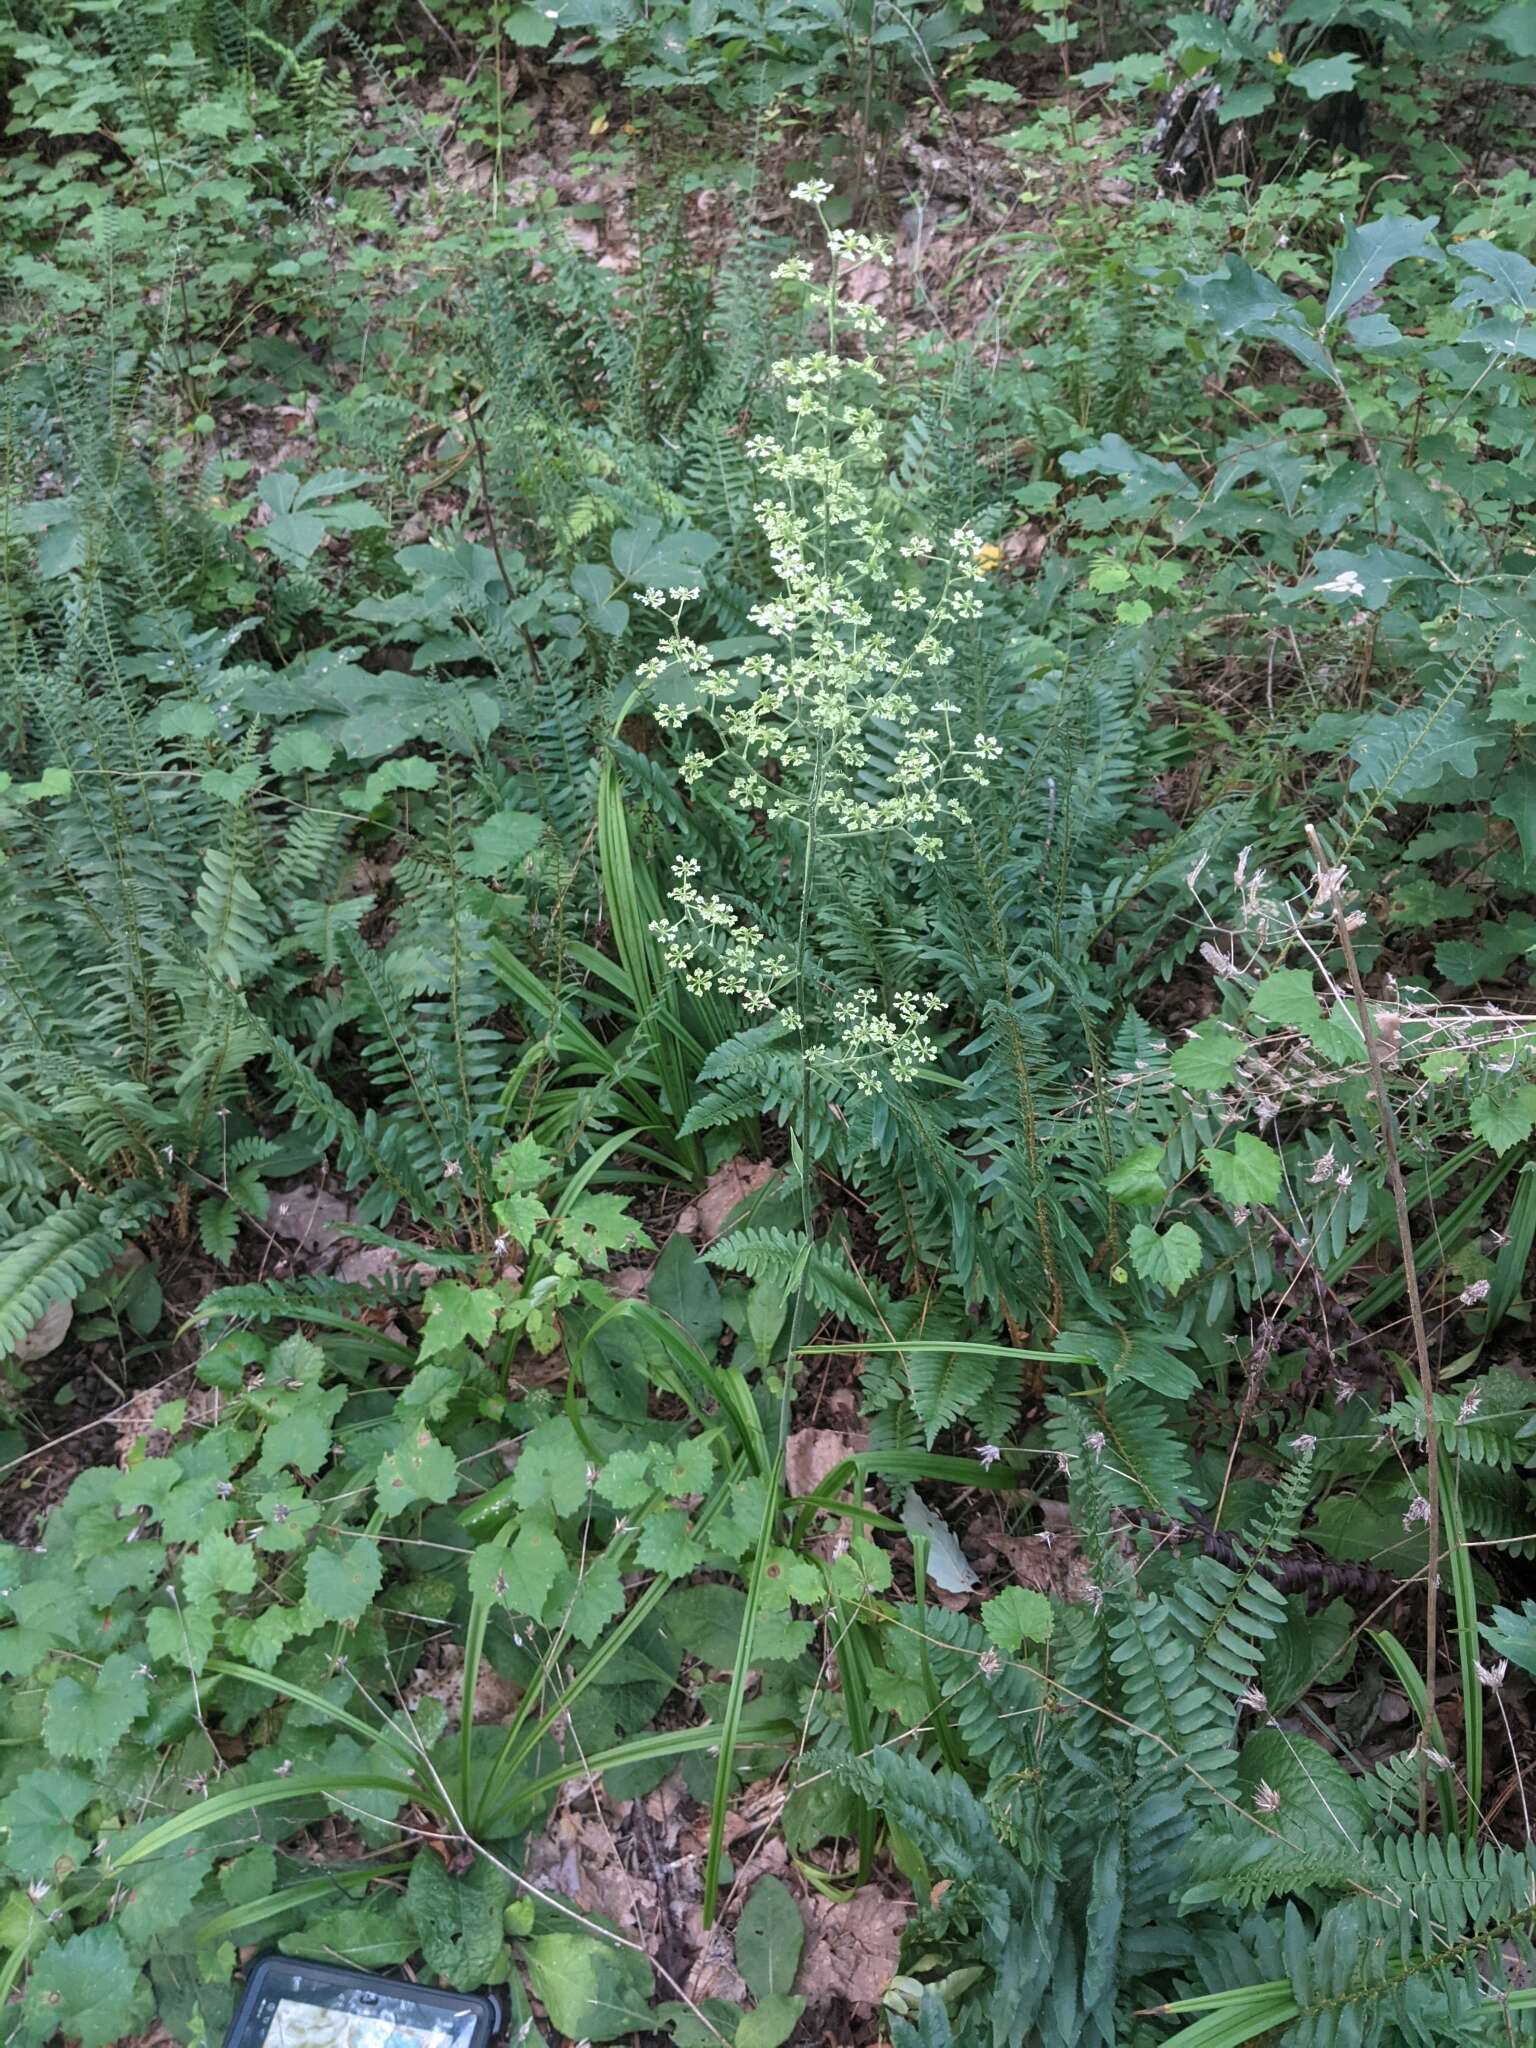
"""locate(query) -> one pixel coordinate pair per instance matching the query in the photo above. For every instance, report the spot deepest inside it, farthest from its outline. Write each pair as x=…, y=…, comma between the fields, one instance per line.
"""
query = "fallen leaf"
x=853, y=1947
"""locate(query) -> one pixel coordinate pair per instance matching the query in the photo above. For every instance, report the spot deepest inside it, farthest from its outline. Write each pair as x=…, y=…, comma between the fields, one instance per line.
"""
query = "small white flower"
x=990, y=1664
x=1325, y=1168
x=1266, y=1799
x=810, y=192
x=1418, y=1511
x=1253, y=1699
x=1345, y=584
x=1303, y=1445
x=1469, y=1407
x=988, y=1456
x=1469, y=1297
x=451, y=1169
x=37, y=1891
x=284, y=1769
x=1095, y=1441
x=1493, y=1676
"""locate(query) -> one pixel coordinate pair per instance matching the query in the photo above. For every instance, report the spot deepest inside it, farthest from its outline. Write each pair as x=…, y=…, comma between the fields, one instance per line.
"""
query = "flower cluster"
x=872, y=1049
x=846, y=723
x=711, y=947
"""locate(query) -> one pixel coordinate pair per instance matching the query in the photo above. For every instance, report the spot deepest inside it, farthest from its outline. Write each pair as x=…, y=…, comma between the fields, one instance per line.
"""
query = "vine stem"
x=1329, y=891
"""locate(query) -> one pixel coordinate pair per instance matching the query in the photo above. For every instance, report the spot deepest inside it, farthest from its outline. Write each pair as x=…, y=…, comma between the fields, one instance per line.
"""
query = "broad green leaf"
x=598, y=1599
x=592, y=1990
x=1207, y=1060
x=456, y=1313
x=160, y=1892
x=1513, y=1635
x=624, y=1480
x=458, y=1919
x=772, y=2020
x=218, y=1565
x=181, y=1635
x=1323, y=76
x=520, y=1575
x=1139, y=1178
x=1504, y=1120
x=1368, y=253
x=340, y=1584
x=769, y=1937
x=597, y=1225
x=373, y=1936
x=35, y=1831
x=1360, y=580
x=683, y=1468
x=85, y=1989
x=1286, y=997
x=502, y=843
x=1167, y=1258
x=300, y=1434
x=88, y=1720
x=552, y=1469
x=1017, y=1616
x=1244, y=305
x=1515, y=27
x=683, y=1287
x=421, y=1468
x=1250, y=1172
x=665, y=1544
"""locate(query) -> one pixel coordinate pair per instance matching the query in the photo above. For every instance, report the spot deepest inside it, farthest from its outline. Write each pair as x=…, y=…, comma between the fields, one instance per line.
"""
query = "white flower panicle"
x=846, y=724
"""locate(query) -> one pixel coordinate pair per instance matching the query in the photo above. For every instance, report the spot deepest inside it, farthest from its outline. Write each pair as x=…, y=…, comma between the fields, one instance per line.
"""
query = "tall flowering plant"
x=859, y=643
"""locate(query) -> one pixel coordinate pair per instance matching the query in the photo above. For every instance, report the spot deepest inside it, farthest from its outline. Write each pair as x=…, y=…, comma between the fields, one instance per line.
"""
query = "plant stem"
x=1399, y=1189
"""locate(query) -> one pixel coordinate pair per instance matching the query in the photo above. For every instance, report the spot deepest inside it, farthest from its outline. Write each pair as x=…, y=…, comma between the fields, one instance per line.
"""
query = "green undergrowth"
x=894, y=952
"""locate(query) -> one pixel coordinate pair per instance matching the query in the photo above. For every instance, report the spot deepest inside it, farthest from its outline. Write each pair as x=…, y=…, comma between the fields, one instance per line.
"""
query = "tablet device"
x=291, y=2004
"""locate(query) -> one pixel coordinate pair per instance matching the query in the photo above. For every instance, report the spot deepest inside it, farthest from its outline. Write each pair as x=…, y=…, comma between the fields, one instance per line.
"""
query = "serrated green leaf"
x=521, y=1575
x=665, y=1545
x=1167, y=1258
x=1250, y=1172
x=625, y=1480
x=35, y=1832
x=88, y=1721
x=598, y=1599
x=218, y=1565
x=456, y=1313
x=85, y=1989
x=341, y=1584
x=1504, y=1120
x=1207, y=1059
x=552, y=1469
x=1286, y=997
x=421, y=1468
x=1017, y=1616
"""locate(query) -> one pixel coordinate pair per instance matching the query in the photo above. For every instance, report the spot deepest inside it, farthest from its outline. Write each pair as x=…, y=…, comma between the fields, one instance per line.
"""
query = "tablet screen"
x=297, y=2024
